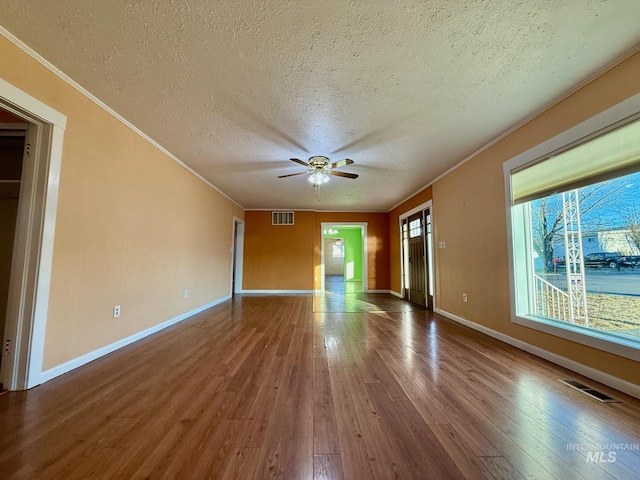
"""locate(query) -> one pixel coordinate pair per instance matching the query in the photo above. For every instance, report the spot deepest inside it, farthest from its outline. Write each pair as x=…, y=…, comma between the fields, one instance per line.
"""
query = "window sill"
x=608, y=342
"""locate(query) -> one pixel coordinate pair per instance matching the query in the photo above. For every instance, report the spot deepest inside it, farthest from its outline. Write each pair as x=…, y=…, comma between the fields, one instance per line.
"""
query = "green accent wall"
x=352, y=251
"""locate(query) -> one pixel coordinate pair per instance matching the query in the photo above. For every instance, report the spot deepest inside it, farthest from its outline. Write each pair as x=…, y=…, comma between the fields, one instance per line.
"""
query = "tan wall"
x=469, y=214
x=394, y=235
x=133, y=227
x=288, y=257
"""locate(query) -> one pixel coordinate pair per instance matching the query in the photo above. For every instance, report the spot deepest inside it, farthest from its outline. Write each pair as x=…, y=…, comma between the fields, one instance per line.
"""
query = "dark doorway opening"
x=12, y=143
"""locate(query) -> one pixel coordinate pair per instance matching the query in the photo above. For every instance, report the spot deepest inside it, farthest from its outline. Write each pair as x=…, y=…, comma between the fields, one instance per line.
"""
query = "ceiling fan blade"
x=292, y=175
x=342, y=174
x=342, y=163
x=297, y=160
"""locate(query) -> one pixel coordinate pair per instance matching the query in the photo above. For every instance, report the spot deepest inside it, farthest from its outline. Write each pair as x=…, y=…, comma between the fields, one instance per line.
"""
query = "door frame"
x=430, y=280
x=28, y=302
x=365, y=259
x=237, y=255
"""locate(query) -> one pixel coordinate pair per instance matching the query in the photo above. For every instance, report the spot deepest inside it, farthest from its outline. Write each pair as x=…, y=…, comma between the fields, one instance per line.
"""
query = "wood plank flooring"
x=290, y=387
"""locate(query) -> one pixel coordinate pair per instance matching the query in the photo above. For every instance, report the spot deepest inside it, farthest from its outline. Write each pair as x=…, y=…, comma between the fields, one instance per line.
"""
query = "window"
x=575, y=240
x=415, y=228
x=337, y=249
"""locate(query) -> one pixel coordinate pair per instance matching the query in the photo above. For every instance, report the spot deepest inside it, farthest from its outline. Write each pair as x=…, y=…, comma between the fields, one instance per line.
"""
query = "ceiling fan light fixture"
x=320, y=170
x=318, y=178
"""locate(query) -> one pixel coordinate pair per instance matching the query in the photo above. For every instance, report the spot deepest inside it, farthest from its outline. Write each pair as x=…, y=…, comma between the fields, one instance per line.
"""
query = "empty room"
x=320, y=240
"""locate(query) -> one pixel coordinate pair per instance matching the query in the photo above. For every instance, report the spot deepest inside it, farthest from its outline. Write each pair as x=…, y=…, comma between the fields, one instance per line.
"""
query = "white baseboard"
x=377, y=291
x=397, y=294
x=277, y=292
x=89, y=357
x=597, y=375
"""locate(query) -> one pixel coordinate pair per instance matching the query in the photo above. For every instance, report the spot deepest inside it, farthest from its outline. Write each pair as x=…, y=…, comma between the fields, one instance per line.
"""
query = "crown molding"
x=64, y=77
x=598, y=73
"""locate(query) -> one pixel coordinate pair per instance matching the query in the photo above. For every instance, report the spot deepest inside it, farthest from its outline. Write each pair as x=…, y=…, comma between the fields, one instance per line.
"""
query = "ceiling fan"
x=319, y=168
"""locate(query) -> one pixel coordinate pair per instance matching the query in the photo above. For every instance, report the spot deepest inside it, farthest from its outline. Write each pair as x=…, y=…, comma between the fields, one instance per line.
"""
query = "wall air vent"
x=281, y=218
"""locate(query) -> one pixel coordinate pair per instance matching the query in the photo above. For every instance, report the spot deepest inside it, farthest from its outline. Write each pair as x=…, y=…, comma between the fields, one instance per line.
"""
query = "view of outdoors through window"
x=586, y=257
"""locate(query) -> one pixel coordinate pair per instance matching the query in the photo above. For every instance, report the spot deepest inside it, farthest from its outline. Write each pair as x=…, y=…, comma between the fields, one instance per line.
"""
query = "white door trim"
x=35, y=228
x=430, y=251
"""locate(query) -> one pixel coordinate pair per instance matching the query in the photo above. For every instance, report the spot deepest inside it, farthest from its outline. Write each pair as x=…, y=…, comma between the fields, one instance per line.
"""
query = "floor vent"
x=601, y=397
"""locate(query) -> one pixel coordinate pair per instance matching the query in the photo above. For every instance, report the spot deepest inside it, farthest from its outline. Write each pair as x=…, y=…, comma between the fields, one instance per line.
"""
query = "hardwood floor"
x=264, y=387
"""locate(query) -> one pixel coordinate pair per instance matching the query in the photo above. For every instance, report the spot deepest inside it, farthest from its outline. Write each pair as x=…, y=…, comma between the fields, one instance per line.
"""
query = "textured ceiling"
x=407, y=89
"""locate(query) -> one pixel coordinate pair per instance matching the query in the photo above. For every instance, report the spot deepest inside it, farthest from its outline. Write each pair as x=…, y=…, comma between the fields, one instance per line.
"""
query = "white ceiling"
x=406, y=89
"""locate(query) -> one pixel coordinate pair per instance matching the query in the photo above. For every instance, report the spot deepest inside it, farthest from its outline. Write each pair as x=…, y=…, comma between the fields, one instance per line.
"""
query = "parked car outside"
x=603, y=259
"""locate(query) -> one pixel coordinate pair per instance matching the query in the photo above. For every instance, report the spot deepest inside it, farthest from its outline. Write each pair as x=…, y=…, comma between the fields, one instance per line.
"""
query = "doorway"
x=32, y=255
x=417, y=256
x=343, y=258
x=237, y=256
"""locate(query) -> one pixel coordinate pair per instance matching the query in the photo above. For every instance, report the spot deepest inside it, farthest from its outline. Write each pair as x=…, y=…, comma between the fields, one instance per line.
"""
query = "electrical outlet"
x=116, y=311
x=464, y=297
x=186, y=293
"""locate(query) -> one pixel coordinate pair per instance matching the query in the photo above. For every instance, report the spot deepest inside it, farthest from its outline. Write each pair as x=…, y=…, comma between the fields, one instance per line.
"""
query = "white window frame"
x=520, y=277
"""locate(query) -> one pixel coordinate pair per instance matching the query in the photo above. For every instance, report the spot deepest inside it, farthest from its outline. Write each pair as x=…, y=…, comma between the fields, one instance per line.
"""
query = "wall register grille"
x=281, y=218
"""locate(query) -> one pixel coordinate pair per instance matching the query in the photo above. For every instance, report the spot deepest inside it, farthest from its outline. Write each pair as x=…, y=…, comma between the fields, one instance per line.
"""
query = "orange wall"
x=277, y=257
x=133, y=227
x=470, y=216
x=288, y=257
